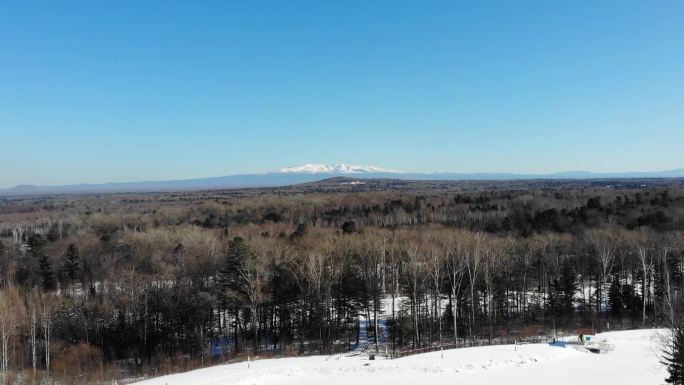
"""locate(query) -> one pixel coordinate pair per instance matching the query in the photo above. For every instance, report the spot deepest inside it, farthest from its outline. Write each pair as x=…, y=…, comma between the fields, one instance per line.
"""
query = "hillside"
x=635, y=360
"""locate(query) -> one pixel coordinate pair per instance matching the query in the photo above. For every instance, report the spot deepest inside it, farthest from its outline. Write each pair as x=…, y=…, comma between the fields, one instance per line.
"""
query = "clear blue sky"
x=99, y=91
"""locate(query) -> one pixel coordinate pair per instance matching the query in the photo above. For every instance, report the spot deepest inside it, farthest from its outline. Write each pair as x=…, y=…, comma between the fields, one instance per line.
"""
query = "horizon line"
x=380, y=171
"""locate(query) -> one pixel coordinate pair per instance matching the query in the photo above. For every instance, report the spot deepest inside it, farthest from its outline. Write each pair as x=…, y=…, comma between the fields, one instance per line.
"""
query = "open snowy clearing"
x=635, y=360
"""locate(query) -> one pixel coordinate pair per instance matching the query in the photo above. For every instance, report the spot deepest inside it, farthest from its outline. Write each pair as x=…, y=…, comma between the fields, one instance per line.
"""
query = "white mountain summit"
x=314, y=168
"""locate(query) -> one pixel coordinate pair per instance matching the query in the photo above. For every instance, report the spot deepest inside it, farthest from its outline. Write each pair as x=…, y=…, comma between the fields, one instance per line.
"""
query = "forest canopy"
x=130, y=283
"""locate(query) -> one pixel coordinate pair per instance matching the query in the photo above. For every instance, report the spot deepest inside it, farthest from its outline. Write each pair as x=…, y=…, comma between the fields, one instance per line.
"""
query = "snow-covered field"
x=635, y=360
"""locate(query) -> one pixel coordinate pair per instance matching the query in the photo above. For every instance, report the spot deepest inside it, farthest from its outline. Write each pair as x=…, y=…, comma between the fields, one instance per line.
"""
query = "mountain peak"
x=317, y=168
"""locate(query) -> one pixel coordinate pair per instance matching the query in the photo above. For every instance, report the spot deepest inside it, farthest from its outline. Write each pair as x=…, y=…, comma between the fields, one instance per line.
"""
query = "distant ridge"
x=312, y=173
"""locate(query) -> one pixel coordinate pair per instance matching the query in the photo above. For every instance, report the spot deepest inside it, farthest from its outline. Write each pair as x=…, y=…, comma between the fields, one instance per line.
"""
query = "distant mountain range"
x=315, y=168
x=314, y=172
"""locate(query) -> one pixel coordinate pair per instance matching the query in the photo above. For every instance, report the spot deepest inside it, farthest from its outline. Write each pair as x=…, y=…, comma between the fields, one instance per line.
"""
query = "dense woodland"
x=94, y=287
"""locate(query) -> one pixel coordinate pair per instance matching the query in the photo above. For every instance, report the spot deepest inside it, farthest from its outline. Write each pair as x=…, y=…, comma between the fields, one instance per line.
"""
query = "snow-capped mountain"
x=317, y=168
x=311, y=173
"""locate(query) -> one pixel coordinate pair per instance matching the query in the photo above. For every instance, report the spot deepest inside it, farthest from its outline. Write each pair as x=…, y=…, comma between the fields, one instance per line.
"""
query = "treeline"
x=108, y=287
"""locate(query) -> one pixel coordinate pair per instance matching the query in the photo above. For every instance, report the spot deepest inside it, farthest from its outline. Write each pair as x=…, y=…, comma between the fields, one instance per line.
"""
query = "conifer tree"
x=674, y=358
x=37, y=246
x=46, y=273
x=228, y=280
x=52, y=234
x=72, y=264
x=568, y=287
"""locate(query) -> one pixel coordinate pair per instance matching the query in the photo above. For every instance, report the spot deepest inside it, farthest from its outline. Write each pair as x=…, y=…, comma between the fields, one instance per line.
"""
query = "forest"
x=118, y=286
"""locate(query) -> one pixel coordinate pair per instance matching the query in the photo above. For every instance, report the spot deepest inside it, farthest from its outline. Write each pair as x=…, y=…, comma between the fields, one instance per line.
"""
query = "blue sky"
x=99, y=91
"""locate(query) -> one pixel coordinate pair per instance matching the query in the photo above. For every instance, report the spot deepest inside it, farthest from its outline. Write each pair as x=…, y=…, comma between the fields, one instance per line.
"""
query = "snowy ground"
x=635, y=360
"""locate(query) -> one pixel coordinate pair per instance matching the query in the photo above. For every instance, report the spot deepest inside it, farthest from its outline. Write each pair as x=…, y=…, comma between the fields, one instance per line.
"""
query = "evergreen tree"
x=674, y=358
x=299, y=232
x=349, y=227
x=615, y=298
x=555, y=298
x=52, y=234
x=229, y=279
x=72, y=264
x=46, y=273
x=568, y=287
x=36, y=244
x=631, y=301
x=235, y=256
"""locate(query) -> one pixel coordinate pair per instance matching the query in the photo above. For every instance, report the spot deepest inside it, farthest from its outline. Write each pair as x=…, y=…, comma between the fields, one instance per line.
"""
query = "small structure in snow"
x=588, y=340
x=586, y=335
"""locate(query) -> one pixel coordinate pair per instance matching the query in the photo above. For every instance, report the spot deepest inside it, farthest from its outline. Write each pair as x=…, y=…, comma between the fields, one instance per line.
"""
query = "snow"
x=635, y=360
x=314, y=168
